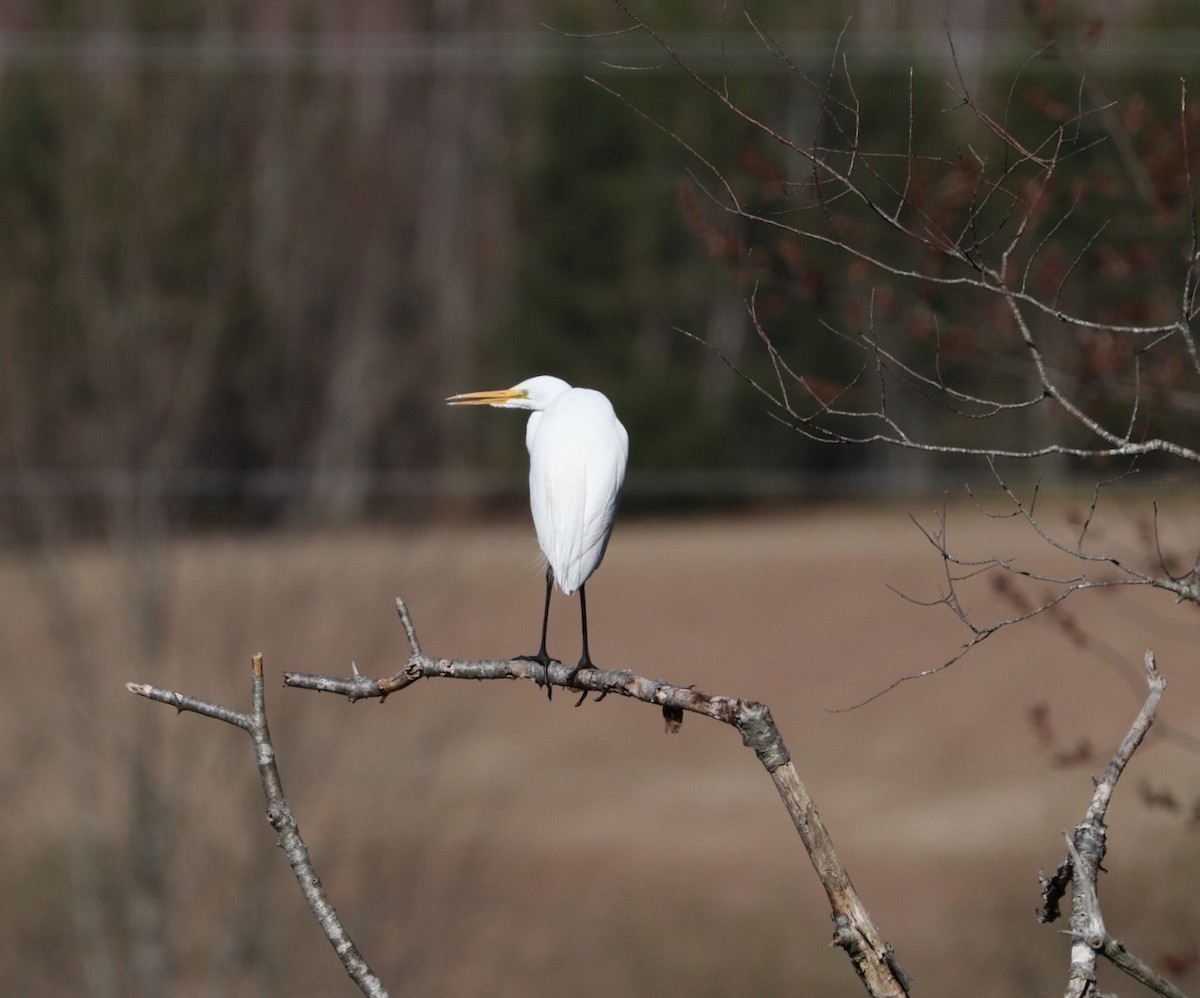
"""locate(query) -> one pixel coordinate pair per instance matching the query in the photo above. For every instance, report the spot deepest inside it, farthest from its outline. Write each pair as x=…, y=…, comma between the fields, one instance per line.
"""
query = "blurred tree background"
x=249, y=248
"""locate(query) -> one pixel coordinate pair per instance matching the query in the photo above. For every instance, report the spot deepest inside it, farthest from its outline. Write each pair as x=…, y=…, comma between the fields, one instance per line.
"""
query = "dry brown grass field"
x=481, y=841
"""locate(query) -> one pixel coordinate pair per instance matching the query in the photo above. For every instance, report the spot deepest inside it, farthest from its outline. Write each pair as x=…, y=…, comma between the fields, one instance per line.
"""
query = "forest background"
x=249, y=248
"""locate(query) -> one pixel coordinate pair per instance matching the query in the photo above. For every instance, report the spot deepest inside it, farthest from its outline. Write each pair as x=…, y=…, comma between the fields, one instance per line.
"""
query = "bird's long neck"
x=531, y=430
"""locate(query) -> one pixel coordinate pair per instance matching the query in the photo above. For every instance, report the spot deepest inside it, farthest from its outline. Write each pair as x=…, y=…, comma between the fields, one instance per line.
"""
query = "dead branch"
x=1012, y=582
x=854, y=931
x=279, y=814
x=1090, y=937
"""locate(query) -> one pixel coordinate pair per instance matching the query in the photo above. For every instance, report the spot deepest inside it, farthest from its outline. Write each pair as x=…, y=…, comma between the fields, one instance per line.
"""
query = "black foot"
x=584, y=663
x=545, y=661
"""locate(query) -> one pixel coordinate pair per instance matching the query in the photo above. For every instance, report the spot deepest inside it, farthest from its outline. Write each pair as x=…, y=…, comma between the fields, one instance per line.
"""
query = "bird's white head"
x=532, y=394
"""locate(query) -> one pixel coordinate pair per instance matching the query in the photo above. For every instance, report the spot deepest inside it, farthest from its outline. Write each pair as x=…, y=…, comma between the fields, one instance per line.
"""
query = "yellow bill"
x=498, y=396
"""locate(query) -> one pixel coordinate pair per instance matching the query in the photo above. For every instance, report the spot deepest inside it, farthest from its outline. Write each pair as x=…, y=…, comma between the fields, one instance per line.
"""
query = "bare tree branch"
x=1081, y=869
x=854, y=931
x=279, y=814
x=991, y=225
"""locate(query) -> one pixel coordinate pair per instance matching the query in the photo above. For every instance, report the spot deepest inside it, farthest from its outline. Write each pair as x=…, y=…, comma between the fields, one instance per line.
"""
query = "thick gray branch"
x=854, y=931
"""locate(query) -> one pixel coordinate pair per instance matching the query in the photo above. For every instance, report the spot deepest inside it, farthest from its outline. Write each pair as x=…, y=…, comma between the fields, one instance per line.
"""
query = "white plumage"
x=577, y=454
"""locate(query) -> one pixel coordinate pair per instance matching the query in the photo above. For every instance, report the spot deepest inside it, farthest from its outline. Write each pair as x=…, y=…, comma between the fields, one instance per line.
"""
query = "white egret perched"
x=577, y=454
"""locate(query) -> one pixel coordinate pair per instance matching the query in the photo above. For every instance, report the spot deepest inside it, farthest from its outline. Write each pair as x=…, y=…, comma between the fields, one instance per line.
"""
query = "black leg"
x=542, y=657
x=585, y=660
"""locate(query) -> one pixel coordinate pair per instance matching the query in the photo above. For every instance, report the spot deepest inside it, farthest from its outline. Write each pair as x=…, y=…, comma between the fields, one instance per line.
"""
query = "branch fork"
x=280, y=815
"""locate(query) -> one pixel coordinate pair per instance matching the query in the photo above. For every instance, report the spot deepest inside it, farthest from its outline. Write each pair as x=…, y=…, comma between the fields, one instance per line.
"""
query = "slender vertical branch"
x=279, y=814
x=1080, y=871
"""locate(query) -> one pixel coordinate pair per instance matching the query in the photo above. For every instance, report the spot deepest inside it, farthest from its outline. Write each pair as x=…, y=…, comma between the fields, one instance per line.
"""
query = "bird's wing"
x=577, y=467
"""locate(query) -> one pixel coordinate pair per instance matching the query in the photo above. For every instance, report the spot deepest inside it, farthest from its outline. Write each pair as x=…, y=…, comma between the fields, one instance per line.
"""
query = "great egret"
x=577, y=454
